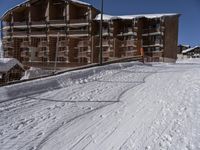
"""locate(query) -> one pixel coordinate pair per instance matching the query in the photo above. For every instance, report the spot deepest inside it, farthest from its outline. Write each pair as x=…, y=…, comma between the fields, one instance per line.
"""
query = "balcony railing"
x=38, y=22
x=105, y=43
x=6, y=24
x=20, y=33
x=132, y=53
x=72, y=32
x=43, y=54
x=43, y=44
x=107, y=54
x=83, y=44
x=57, y=31
x=57, y=21
x=84, y=54
x=38, y=33
x=25, y=54
x=129, y=43
x=62, y=43
x=8, y=33
x=74, y=21
x=62, y=53
x=154, y=54
x=25, y=44
x=24, y=23
x=152, y=30
x=8, y=44
x=128, y=30
x=152, y=43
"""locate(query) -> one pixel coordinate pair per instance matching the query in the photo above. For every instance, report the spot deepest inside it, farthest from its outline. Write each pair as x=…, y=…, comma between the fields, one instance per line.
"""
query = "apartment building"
x=40, y=33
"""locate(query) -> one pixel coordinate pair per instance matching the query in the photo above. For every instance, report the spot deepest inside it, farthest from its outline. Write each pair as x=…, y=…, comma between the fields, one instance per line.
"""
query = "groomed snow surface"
x=127, y=106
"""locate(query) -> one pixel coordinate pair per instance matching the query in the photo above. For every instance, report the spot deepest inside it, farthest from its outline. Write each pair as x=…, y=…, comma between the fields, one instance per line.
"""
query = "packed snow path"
x=122, y=106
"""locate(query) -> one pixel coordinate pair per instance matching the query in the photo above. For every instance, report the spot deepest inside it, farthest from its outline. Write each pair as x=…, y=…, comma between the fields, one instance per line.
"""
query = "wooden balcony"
x=63, y=43
x=43, y=53
x=38, y=23
x=5, y=24
x=37, y=33
x=57, y=21
x=76, y=21
x=84, y=54
x=128, y=43
x=84, y=43
x=25, y=44
x=8, y=44
x=154, y=53
x=7, y=53
x=25, y=54
x=23, y=23
x=107, y=54
x=151, y=30
x=132, y=53
x=62, y=53
x=43, y=44
x=106, y=42
x=152, y=43
x=78, y=32
x=57, y=32
x=20, y=33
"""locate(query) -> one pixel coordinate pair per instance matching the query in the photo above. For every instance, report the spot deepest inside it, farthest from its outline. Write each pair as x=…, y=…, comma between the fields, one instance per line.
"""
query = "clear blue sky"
x=189, y=27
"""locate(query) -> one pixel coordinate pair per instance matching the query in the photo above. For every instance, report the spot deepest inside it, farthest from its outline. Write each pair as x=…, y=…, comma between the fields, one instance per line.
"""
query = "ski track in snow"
x=139, y=107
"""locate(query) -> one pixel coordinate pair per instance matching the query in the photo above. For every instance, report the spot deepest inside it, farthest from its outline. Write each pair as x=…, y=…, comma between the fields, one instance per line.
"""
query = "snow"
x=130, y=17
x=189, y=49
x=35, y=72
x=81, y=2
x=120, y=106
x=7, y=63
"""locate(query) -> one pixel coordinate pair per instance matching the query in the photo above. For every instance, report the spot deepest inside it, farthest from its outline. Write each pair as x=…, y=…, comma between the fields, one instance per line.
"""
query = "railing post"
x=55, y=65
x=101, y=35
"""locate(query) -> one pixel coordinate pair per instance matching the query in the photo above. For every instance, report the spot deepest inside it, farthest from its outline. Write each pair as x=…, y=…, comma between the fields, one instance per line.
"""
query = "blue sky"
x=189, y=26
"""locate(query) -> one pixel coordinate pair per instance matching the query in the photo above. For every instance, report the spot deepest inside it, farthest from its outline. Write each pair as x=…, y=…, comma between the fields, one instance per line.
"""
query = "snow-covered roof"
x=190, y=49
x=7, y=63
x=26, y=1
x=80, y=2
x=130, y=17
x=184, y=45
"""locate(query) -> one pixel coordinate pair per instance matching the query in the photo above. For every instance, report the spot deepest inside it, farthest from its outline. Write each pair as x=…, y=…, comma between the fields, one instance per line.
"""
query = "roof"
x=26, y=1
x=183, y=45
x=130, y=17
x=190, y=49
x=8, y=63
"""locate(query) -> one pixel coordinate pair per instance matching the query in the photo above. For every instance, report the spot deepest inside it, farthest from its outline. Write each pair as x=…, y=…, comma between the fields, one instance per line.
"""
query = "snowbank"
x=56, y=82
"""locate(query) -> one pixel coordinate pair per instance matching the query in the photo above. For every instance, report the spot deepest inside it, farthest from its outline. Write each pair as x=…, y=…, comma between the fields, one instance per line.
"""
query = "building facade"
x=41, y=33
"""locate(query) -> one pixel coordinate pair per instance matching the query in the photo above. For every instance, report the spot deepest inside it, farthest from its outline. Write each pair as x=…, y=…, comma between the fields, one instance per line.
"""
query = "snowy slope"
x=121, y=106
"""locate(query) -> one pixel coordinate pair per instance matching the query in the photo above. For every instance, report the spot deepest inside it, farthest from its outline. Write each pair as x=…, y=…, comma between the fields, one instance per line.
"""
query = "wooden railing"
x=25, y=44
x=57, y=21
x=72, y=32
x=23, y=23
x=62, y=43
x=73, y=21
x=62, y=53
x=43, y=44
x=43, y=53
x=83, y=43
x=84, y=54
